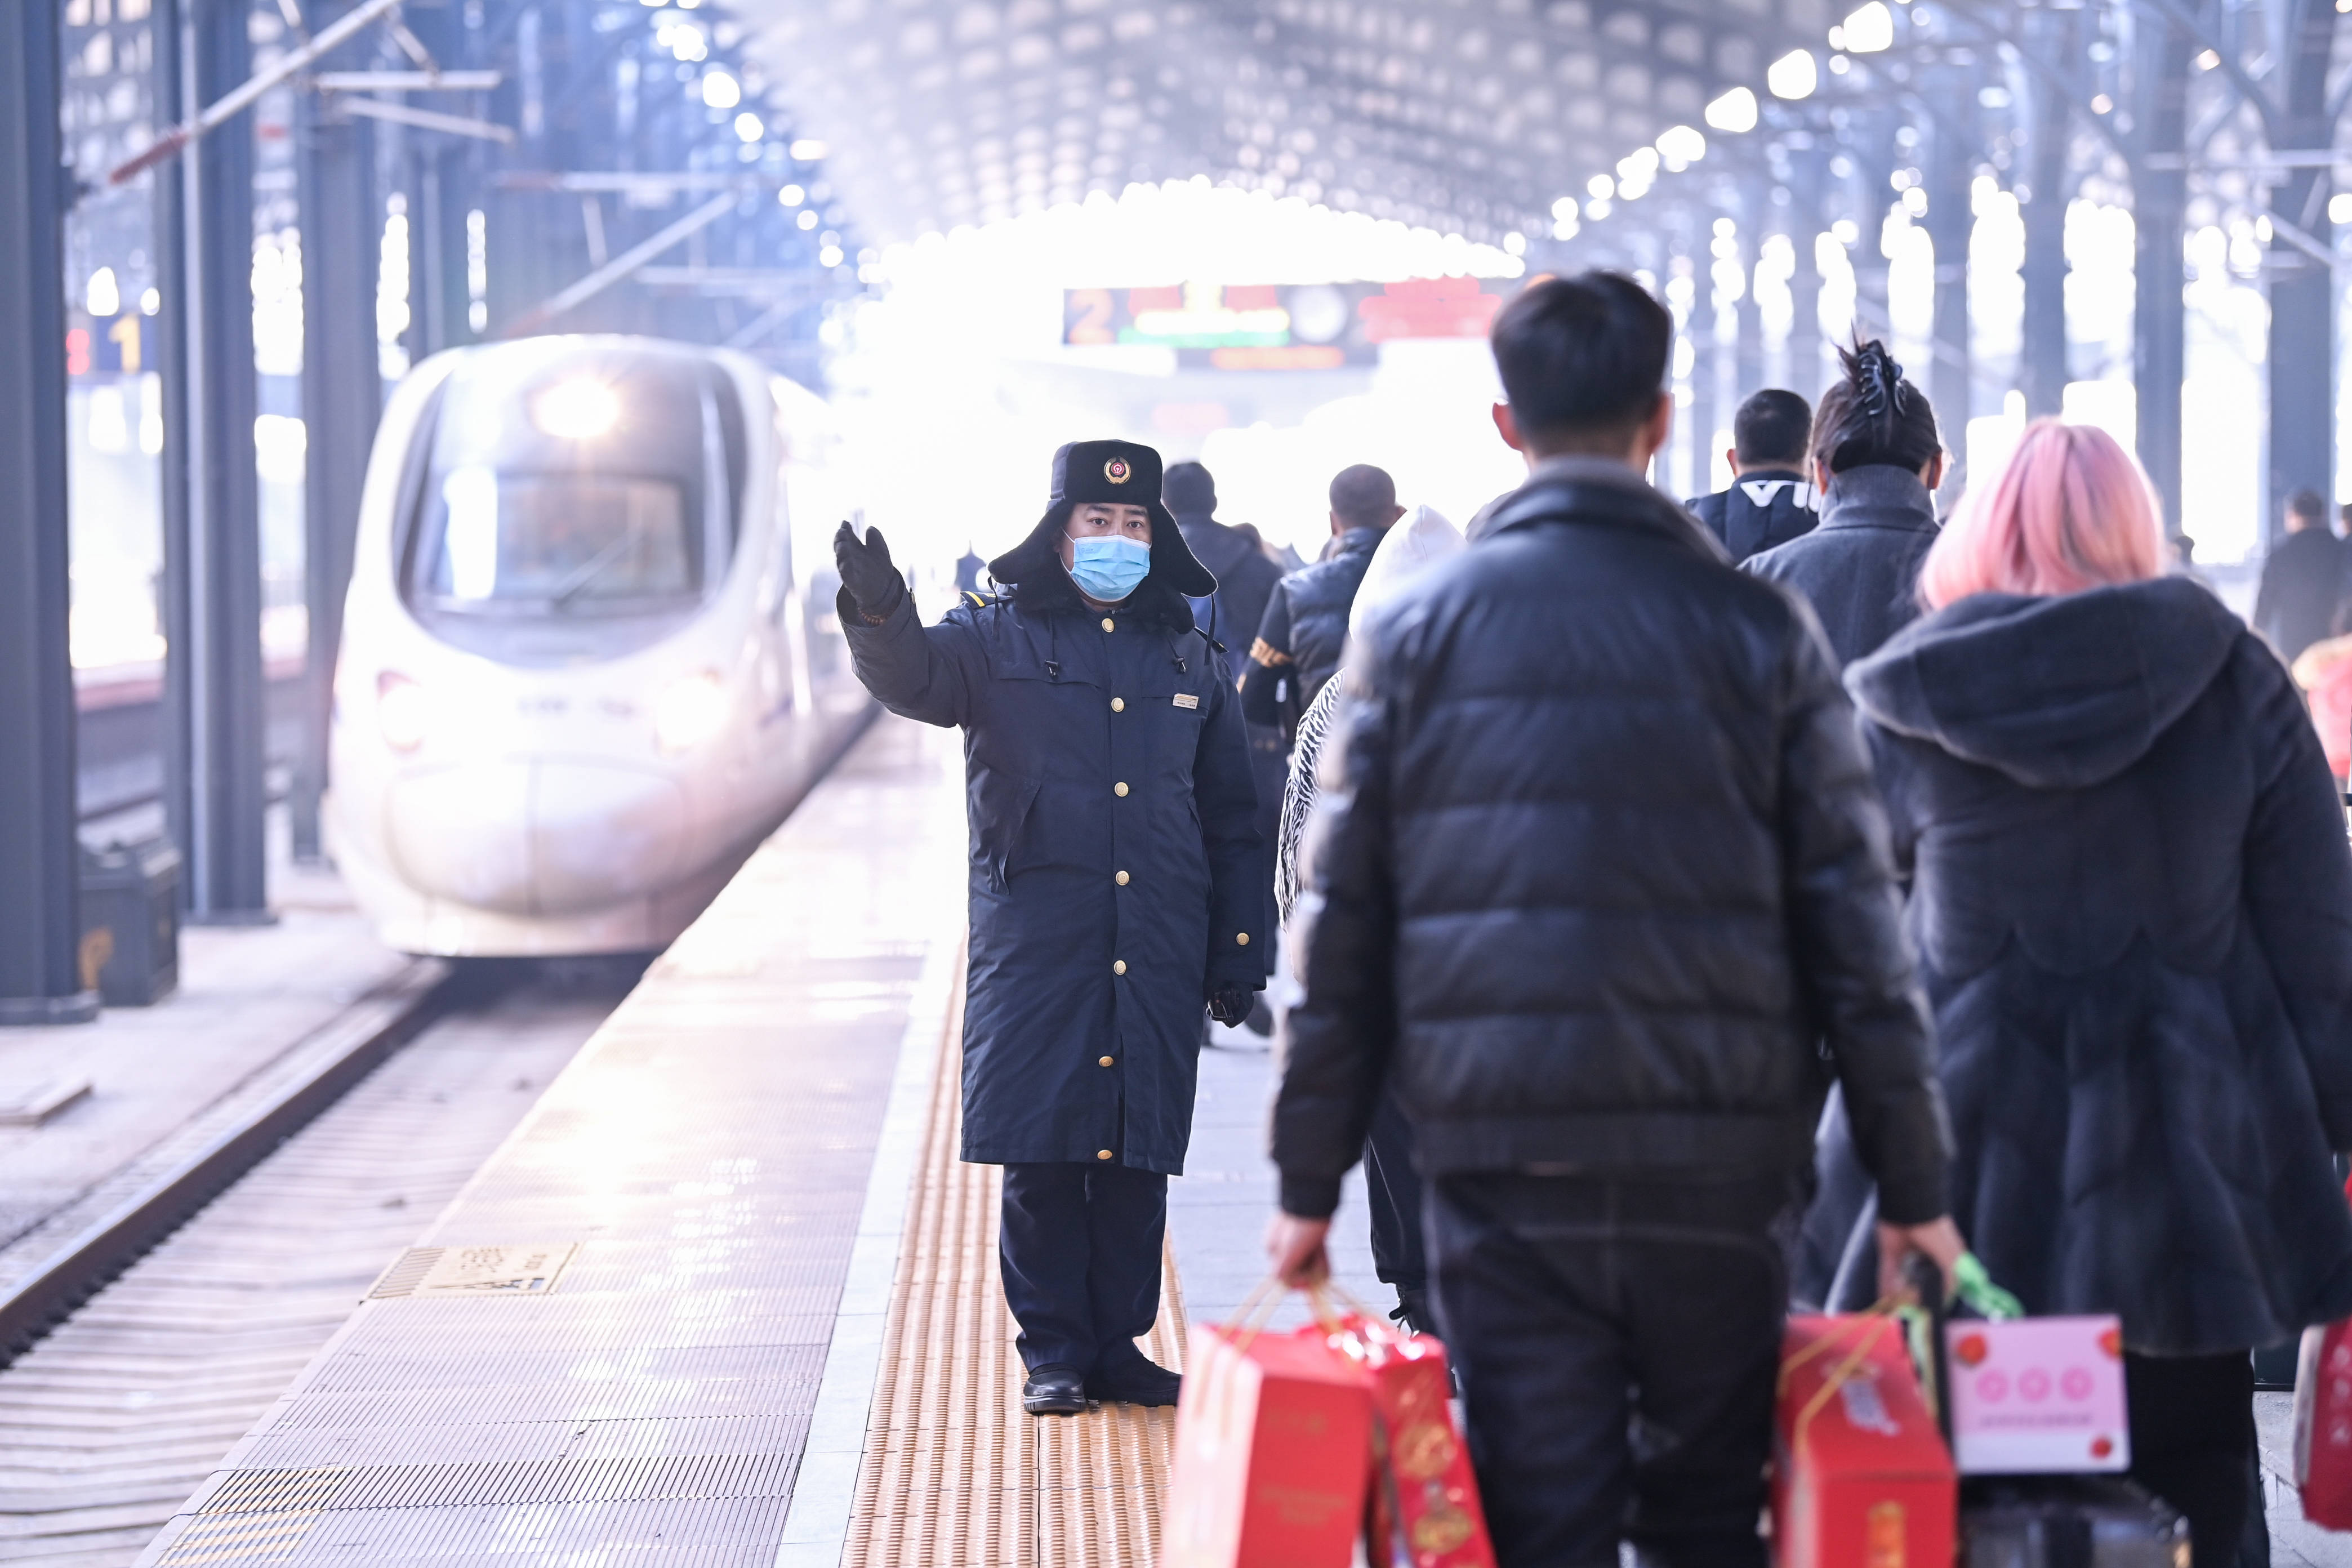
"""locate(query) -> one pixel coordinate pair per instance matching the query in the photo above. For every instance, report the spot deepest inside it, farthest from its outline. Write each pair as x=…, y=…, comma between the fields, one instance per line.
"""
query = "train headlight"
x=402, y=711
x=689, y=712
x=576, y=410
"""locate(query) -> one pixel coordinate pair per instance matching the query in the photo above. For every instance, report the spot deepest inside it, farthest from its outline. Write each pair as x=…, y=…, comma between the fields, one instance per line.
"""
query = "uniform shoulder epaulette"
x=980, y=600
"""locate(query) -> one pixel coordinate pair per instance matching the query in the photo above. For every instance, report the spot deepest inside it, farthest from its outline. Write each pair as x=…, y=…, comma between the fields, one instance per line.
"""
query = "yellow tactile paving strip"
x=954, y=1471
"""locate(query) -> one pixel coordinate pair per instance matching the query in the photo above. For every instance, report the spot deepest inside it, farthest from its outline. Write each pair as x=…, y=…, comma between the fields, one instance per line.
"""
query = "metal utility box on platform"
x=130, y=922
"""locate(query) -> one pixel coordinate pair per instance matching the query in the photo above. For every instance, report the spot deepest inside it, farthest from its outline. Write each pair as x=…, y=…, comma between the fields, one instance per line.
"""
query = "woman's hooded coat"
x=1117, y=871
x=2132, y=897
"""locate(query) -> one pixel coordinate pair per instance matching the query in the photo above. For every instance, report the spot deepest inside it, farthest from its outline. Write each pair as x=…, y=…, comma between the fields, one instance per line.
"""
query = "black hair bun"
x=1877, y=380
x=1873, y=415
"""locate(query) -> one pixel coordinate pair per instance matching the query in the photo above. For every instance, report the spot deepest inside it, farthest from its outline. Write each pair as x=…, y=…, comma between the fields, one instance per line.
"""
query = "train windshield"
x=576, y=501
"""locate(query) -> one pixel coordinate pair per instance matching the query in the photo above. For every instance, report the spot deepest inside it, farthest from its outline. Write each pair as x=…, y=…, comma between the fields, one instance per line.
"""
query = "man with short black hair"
x=1598, y=882
x=1305, y=632
x=1769, y=501
x=2304, y=579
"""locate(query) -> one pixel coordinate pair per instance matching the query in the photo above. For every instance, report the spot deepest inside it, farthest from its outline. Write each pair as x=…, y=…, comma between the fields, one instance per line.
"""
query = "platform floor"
x=753, y=1315
x=609, y=1343
x=727, y=1298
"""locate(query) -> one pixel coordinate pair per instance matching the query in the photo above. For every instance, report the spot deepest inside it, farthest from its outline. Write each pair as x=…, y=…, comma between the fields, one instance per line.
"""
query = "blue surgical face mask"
x=1107, y=567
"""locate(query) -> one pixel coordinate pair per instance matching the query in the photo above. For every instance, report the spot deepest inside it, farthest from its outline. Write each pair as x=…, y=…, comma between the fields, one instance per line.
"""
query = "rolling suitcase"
x=2067, y=1521
x=2045, y=1521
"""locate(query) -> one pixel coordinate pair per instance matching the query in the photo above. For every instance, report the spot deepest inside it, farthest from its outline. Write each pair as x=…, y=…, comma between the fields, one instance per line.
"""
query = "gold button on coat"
x=1243, y=939
x=1102, y=1153
x=1119, y=967
x=1118, y=704
x=1110, y=625
x=1121, y=878
x=1119, y=789
x=1106, y=1061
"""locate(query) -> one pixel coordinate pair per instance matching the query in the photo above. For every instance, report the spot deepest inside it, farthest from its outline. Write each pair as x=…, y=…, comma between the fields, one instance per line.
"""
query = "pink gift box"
x=2038, y=1396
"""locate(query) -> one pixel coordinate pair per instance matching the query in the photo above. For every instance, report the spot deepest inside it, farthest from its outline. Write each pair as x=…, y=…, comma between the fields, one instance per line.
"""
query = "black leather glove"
x=865, y=570
x=1229, y=1005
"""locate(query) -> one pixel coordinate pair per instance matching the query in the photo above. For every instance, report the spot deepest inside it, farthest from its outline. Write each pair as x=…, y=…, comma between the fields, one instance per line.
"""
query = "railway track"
x=109, y=1422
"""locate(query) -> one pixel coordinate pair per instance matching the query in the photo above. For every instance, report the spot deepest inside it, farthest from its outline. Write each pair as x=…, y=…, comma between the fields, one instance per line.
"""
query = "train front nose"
x=537, y=836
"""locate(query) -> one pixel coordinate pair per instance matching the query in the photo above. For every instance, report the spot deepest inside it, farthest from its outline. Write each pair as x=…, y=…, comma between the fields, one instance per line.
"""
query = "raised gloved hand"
x=1229, y=1005
x=866, y=571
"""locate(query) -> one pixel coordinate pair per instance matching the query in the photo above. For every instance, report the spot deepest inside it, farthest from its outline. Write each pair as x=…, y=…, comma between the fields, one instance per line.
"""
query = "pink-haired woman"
x=2132, y=899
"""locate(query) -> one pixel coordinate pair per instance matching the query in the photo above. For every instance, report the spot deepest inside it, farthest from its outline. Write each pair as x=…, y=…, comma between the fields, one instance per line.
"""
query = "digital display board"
x=1281, y=326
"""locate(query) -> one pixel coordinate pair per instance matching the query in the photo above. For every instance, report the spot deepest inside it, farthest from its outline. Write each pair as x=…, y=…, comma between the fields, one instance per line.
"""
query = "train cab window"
x=577, y=504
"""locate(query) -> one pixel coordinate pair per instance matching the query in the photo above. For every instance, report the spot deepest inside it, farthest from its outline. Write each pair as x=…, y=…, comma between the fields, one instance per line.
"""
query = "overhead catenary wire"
x=236, y=99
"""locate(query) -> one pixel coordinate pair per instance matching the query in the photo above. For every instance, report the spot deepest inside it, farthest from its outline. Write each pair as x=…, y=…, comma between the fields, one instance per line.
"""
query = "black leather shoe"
x=1054, y=1390
x=1136, y=1381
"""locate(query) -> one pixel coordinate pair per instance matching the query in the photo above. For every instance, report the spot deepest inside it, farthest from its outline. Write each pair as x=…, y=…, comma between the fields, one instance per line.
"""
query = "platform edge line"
x=825, y=1490
x=310, y=1076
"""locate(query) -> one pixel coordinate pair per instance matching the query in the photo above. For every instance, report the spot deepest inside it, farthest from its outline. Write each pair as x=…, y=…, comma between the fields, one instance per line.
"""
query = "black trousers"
x=1079, y=1247
x=1618, y=1343
x=2192, y=1435
x=1393, y=1190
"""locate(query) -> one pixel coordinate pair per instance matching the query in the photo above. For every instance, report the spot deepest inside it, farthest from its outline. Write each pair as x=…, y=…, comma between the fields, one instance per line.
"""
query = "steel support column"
x=2301, y=286
x=1748, y=374
x=342, y=388
x=1805, y=226
x=2159, y=207
x=216, y=797
x=40, y=978
x=2041, y=369
x=1950, y=222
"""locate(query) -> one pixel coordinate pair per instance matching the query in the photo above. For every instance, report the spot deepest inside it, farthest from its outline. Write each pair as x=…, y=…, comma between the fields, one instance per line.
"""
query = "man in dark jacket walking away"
x=1771, y=501
x=1599, y=881
x=1305, y=632
x=1116, y=883
x=1246, y=576
x=1876, y=459
x=2304, y=579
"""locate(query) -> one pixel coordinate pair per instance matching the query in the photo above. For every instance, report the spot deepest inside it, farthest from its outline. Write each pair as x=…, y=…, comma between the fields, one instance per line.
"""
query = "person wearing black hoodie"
x=1876, y=459
x=1246, y=576
x=2305, y=578
x=1771, y=498
x=2132, y=899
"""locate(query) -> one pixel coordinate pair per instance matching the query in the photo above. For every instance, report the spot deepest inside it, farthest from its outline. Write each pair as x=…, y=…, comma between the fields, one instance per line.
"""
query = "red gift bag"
x=1422, y=1467
x=1270, y=1469
x=1861, y=1477
x=2322, y=1422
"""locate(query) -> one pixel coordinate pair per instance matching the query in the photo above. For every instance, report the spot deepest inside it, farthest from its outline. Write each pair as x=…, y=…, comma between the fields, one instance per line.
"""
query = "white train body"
x=589, y=658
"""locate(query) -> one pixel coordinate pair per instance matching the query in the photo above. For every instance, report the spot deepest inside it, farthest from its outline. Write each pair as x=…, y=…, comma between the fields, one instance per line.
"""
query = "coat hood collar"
x=1879, y=495
x=1596, y=489
x=2057, y=693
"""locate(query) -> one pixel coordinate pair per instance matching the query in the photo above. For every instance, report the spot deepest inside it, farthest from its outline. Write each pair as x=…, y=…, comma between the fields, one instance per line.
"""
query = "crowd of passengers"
x=1689, y=911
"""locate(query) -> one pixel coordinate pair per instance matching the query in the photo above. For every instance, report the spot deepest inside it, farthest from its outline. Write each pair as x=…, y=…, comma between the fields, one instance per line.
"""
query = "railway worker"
x=1116, y=885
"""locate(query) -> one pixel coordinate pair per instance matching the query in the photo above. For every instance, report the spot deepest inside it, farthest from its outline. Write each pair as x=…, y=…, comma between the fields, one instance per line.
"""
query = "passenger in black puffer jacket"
x=1304, y=634
x=1599, y=881
x=2133, y=902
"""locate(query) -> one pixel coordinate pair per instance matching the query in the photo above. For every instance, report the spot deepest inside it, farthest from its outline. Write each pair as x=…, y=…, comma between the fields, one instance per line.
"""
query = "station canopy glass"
x=1463, y=118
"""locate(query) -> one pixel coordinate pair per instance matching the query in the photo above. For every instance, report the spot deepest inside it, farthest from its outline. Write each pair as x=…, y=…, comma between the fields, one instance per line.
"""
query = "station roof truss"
x=1469, y=118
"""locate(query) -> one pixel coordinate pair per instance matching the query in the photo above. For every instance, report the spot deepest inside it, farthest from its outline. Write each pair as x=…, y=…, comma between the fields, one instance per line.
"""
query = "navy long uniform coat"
x=1115, y=860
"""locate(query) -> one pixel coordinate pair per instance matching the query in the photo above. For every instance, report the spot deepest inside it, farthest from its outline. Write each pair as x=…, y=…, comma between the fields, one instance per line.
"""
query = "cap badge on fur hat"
x=1118, y=471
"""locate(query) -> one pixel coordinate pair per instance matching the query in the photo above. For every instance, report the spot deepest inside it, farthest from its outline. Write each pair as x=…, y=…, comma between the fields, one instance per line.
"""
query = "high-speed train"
x=589, y=659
